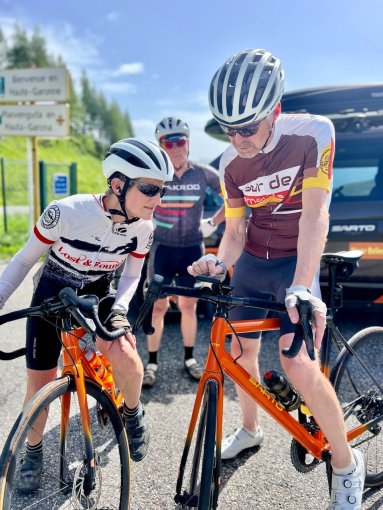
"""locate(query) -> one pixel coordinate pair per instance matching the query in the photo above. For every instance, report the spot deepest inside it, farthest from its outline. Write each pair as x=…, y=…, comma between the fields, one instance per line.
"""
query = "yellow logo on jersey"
x=325, y=160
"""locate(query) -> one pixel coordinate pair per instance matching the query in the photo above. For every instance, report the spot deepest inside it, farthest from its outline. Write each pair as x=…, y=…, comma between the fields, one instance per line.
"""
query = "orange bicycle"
x=86, y=452
x=356, y=374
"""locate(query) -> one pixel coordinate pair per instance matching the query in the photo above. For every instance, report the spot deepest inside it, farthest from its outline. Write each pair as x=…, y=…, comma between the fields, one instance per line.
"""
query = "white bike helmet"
x=246, y=88
x=171, y=126
x=136, y=157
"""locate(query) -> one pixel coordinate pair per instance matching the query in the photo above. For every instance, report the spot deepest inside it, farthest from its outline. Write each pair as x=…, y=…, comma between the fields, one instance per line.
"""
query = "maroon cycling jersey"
x=299, y=156
x=178, y=216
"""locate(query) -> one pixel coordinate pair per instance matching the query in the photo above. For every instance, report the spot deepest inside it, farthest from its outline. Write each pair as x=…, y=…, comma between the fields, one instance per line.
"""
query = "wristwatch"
x=211, y=222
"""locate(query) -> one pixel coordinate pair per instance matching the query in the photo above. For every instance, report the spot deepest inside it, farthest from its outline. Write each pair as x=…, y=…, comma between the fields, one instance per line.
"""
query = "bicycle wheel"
x=203, y=477
x=62, y=484
x=359, y=390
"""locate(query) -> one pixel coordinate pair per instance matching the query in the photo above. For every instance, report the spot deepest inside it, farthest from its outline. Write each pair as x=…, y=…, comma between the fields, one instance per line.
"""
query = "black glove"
x=117, y=320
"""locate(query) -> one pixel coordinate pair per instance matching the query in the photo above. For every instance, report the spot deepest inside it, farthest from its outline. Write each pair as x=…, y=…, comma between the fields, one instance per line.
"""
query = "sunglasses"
x=169, y=144
x=250, y=130
x=151, y=190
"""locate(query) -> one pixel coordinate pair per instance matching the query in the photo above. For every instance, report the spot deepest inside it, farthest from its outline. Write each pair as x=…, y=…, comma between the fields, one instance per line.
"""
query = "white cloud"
x=144, y=128
x=112, y=16
x=77, y=52
x=118, y=88
x=132, y=68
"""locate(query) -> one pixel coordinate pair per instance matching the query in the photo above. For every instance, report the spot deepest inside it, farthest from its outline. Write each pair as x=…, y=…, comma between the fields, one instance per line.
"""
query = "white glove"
x=208, y=226
x=301, y=292
x=211, y=265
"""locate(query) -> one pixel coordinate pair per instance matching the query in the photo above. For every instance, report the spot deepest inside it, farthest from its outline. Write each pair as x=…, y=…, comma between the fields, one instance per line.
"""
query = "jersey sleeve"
x=320, y=157
x=235, y=206
x=212, y=178
x=145, y=240
x=50, y=225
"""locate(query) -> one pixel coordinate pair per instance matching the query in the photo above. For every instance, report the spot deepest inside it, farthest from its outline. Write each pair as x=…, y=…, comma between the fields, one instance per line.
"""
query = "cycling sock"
x=36, y=448
x=130, y=413
x=346, y=470
x=252, y=433
x=153, y=357
x=188, y=352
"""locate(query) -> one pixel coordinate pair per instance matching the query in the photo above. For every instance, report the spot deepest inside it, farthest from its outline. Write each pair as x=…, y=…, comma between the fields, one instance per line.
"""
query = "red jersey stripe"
x=41, y=237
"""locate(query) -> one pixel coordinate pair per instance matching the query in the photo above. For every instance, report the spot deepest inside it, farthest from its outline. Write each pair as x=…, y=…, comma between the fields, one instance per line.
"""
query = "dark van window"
x=353, y=183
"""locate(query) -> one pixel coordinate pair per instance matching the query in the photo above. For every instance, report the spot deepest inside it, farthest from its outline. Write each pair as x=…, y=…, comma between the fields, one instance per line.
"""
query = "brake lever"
x=303, y=332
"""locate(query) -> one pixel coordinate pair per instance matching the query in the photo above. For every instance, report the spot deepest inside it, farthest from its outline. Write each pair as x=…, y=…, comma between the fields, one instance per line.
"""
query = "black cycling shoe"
x=30, y=472
x=138, y=435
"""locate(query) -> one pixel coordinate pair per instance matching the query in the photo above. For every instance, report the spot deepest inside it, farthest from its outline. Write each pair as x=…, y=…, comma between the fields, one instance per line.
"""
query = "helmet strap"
x=271, y=129
x=121, y=200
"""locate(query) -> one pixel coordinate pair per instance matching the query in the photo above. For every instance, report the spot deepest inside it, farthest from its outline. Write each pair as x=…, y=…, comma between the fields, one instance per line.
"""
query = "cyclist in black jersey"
x=280, y=166
x=178, y=237
x=85, y=238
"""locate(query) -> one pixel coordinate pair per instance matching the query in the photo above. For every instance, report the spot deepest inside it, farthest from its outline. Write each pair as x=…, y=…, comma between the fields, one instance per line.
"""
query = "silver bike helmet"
x=136, y=157
x=246, y=88
x=171, y=126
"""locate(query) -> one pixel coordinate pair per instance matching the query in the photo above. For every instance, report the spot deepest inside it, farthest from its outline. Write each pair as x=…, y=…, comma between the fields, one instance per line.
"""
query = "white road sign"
x=45, y=121
x=40, y=84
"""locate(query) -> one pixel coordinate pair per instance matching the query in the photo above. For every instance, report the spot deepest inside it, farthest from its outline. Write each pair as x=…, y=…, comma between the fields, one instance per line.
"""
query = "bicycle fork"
x=76, y=372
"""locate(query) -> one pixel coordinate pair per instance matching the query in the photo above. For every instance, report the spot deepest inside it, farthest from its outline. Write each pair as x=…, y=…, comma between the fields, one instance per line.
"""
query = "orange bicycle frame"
x=76, y=365
x=220, y=361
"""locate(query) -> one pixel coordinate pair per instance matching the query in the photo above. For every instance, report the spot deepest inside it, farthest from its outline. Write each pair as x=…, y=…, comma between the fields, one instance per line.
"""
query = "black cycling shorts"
x=171, y=263
x=43, y=341
x=265, y=279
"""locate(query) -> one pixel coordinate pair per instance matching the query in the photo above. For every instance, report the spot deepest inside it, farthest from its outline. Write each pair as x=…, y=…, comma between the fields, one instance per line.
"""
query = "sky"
x=157, y=58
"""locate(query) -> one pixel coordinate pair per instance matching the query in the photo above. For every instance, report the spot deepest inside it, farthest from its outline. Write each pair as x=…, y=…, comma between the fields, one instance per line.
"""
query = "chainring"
x=301, y=459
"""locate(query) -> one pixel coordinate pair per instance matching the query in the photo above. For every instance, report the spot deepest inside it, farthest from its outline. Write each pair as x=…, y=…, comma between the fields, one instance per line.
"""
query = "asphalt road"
x=263, y=479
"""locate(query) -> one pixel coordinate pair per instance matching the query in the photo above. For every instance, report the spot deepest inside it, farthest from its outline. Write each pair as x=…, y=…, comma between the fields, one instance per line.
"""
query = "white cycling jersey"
x=81, y=244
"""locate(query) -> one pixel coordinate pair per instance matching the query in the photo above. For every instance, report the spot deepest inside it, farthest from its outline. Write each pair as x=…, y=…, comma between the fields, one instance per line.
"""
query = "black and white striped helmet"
x=171, y=126
x=136, y=157
x=246, y=88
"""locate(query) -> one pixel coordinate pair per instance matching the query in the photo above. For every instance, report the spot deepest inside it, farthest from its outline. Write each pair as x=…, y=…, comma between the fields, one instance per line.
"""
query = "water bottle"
x=97, y=361
x=284, y=392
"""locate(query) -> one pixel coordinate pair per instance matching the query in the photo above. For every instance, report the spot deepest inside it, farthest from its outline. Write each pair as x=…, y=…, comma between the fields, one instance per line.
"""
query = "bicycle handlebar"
x=157, y=290
x=80, y=307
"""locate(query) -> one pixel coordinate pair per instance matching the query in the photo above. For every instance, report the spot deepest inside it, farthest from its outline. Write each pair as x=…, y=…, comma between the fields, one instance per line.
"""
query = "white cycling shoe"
x=240, y=440
x=347, y=490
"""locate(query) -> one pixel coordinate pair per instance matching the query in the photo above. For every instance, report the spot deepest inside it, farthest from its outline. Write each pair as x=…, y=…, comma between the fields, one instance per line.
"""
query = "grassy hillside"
x=81, y=150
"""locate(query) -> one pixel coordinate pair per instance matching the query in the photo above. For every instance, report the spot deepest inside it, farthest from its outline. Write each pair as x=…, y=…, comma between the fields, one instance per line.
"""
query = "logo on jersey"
x=150, y=241
x=325, y=160
x=50, y=217
x=120, y=229
x=272, y=188
x=183, y=187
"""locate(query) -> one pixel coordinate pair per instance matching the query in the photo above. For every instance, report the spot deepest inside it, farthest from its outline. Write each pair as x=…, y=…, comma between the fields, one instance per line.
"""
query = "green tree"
x=38, y=49
x=128, y=125
x=89, y=98
x=3, y=51
x=19, y=55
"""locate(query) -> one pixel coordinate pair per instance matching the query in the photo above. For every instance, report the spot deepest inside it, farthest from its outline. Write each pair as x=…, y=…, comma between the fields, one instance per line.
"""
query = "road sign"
x=45, y=121
x=60, y=184
x=39, y=84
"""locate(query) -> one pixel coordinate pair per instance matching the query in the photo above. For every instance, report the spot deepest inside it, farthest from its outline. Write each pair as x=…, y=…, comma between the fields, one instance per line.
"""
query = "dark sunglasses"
x=169, y=144
x=250, y=130
x=151, y=190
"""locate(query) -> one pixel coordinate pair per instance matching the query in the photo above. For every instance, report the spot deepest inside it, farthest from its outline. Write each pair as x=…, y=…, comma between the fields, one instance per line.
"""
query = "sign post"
x=34, y=103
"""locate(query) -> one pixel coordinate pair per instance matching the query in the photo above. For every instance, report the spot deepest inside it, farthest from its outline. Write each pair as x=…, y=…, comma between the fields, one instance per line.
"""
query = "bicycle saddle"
x=344, y=261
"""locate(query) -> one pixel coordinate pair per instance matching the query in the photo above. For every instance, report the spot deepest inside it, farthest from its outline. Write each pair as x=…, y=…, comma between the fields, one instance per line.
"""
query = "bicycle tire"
x=361, y=398
x=112, y=487
x=203, y=481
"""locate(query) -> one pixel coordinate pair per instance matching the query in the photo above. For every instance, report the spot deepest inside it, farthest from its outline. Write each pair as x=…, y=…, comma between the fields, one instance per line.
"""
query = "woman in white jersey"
x=85, y=238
